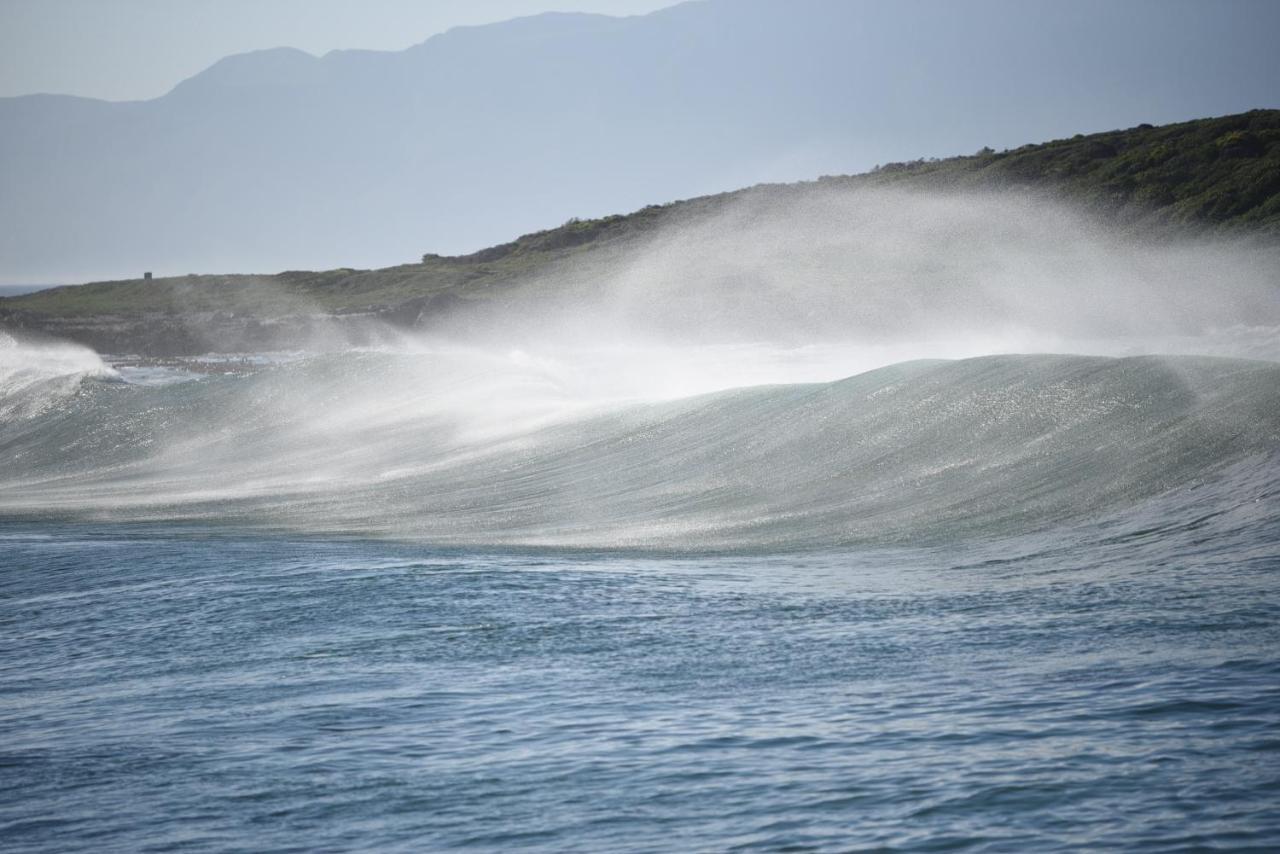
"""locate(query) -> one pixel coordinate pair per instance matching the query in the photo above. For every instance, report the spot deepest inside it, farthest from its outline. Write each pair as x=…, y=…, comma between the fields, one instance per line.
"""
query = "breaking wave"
x=469, y=449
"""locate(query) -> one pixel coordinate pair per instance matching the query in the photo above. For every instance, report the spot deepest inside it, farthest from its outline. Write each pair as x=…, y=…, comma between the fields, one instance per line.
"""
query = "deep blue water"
x=198, y=690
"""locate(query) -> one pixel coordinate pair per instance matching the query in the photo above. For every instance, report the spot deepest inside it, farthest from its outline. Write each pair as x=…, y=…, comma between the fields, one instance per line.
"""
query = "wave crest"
x=417, y=447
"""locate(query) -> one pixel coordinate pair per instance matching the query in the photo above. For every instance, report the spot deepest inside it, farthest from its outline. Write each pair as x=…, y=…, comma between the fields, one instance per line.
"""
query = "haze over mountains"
x=278, y=159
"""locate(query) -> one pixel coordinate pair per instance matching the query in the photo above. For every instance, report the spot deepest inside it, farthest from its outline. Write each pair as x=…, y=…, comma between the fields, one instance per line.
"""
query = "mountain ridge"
x=356, y=158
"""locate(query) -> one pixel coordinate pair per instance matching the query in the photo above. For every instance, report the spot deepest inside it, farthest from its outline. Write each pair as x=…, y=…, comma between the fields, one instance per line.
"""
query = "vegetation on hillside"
x=1220, y=175
x=1223, y=173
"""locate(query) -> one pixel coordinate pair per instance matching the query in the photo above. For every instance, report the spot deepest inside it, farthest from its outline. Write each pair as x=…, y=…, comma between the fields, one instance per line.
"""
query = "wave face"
x=458, y=449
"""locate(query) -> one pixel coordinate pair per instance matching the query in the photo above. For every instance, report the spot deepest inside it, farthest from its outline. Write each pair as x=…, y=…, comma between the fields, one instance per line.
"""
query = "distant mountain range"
x=277, y=159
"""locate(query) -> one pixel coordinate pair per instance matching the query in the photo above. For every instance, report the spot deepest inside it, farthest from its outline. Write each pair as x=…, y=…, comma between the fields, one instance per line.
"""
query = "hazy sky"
x=134, y=49
x=276, y=161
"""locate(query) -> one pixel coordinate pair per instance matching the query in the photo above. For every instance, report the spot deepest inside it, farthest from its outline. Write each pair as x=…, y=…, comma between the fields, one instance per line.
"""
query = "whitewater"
x=894, y=523
x=455, y=449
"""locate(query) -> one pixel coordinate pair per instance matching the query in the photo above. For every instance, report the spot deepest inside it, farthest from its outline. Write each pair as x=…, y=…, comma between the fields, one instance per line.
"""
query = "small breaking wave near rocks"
x=35, y=374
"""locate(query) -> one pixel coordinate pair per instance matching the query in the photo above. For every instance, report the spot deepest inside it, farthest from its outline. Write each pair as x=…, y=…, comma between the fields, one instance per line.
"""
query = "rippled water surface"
x=205, y=690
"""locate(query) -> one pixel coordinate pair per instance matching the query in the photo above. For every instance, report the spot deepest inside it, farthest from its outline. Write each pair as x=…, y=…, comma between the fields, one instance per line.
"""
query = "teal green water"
x=463, y=450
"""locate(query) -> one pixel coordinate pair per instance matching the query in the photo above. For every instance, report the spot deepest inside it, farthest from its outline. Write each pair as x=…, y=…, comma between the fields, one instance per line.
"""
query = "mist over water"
x=904, y=275
x=685, y=391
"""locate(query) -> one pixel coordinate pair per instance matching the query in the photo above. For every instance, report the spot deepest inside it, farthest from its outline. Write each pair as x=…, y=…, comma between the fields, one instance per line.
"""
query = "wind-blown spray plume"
x=688, y=391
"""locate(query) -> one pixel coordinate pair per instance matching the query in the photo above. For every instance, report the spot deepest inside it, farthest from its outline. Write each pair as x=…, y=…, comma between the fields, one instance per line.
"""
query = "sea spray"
x=37, y=373
x=897, y=275
x=425, y=447
x=763, y=376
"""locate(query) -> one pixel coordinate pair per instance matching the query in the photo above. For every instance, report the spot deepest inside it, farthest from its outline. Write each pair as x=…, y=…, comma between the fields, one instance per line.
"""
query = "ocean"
x=346, y=602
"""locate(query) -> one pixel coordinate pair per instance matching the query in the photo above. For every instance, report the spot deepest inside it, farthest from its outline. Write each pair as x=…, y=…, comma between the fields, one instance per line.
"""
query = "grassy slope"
x=1219, y=174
